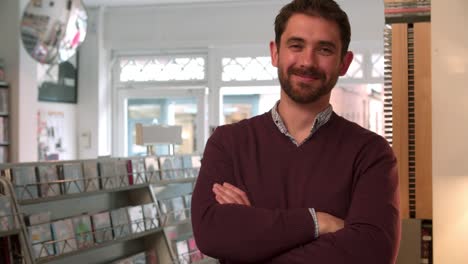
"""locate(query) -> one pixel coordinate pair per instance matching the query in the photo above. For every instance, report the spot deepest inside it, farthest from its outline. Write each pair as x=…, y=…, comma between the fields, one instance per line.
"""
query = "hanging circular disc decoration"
x=52, y=30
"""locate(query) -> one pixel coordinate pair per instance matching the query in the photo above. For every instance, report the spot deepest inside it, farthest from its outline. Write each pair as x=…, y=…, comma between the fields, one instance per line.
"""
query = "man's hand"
x=229, y=194
x=328, y=223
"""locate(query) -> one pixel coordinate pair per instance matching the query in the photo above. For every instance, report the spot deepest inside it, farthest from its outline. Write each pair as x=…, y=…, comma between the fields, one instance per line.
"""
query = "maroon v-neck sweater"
x=343, y=170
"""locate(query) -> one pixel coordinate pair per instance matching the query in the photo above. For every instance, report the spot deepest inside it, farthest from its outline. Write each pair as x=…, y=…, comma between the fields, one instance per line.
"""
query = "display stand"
x=12, y=225
x=174, y=190
x=69, y=189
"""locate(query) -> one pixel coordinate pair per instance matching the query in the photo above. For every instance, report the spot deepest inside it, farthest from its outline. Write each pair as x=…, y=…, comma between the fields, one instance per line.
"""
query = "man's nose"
x=308, y=58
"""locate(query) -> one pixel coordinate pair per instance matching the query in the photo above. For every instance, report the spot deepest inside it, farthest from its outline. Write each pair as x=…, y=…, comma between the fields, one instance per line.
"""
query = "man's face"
x=309, y=58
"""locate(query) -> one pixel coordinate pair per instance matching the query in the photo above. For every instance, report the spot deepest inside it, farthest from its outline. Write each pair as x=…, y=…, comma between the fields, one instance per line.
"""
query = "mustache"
x=308, y=72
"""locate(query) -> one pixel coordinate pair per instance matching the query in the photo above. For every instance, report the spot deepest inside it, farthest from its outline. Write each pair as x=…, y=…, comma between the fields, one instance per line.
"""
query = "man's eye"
x=326, y=51
x=295, y=46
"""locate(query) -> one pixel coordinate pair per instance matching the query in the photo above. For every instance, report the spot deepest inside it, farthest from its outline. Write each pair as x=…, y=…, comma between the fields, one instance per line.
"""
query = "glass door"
x=181, y=107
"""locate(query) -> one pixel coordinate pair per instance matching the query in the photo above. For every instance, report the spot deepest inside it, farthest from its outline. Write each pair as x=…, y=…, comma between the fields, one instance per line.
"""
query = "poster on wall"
x=50, y=135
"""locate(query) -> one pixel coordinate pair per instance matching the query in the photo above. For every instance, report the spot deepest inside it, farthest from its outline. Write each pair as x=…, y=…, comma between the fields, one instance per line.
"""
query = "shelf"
x=127, y=188
x=10, y=232
x=98, y=246
x=174, y=181
x=83, y=194
x=4, y=144
x=3, y=84
x=4, y=113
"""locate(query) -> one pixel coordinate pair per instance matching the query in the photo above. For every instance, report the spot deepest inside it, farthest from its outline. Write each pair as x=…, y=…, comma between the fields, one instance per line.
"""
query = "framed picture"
x=58, y=83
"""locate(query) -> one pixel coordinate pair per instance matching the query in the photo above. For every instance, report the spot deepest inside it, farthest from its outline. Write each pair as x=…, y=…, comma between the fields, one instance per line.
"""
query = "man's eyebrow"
x=327, y=43
x=295, y=39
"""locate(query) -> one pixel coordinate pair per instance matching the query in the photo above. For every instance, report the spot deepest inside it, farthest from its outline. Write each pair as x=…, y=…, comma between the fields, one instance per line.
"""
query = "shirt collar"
x=321, y=119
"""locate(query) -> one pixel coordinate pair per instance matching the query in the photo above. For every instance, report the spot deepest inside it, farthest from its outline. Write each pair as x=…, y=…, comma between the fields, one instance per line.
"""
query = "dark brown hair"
x=327, y=9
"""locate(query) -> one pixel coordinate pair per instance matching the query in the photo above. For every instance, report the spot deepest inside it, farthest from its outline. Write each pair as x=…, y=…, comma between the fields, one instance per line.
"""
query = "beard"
x=305, y=93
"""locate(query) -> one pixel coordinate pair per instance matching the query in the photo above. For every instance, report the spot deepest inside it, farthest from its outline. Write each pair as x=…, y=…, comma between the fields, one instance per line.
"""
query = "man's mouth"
x=307, y=75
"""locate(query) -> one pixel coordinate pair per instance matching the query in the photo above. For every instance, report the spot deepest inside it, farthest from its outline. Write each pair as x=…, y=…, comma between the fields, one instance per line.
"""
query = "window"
x=248, y=69
x=377, y=65
x=355, y=69
x=161, y=68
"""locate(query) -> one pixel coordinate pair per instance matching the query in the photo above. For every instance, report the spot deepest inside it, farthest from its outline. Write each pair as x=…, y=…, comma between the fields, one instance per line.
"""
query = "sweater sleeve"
x=239, y=233
x=372, y=226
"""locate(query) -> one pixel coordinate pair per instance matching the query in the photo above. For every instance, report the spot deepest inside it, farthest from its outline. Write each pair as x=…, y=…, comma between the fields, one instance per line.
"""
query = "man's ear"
x=274, y=53
x=345, y=62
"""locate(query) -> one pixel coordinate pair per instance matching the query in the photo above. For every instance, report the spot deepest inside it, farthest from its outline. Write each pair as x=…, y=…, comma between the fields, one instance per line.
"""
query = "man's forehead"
x=299, y=27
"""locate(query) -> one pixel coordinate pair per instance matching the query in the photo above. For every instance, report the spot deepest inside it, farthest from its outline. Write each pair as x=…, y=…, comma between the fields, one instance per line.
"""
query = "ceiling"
x=148, y=2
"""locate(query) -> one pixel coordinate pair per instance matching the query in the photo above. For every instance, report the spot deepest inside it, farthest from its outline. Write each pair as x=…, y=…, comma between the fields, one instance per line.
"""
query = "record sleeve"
x=135, y=214
x=73, y=178
x=64, y=236
x=48, y=180
x=166, y=206
x=150, y=213
x=138, y=171
x=178, y=167
x=108, y=174
x=120, y=222
x=167, y=168
x=40, y=235
x=187, y=164
x=102, y=227
x=152, y=169
x=182, y=250
x=25, y=182
x=83, y=231
x=91, y=176
x=179, y=209
x=188, y=204
x=122, y=173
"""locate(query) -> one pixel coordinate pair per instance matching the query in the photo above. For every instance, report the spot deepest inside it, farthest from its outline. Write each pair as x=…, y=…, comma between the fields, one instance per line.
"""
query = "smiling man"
x=300, y=184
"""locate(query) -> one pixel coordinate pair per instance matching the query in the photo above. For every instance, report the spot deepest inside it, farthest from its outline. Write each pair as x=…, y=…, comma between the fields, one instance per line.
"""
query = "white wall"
x=227, y=24
x=93, y=93
x=21, y=73
x=450, y=130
